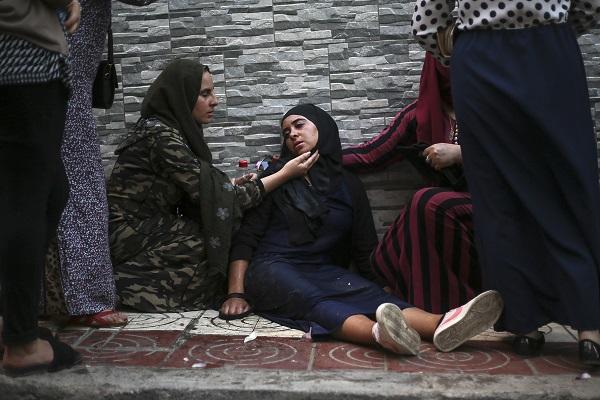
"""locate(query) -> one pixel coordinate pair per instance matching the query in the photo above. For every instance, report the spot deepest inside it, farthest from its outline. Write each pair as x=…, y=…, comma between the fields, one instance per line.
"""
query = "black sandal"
x=64, y=357
x=589, y=352
x=229, y=317
x=528, y=346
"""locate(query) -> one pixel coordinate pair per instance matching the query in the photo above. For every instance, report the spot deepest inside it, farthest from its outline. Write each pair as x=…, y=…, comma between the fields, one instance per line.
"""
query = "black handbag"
x=105, y=83
x=139, y=3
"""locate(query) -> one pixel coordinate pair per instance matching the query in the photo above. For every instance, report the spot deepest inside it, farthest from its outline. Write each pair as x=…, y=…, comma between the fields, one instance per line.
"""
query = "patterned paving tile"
x=552, y=332
x=558, y=358
x=491, y=357
x=144, y=348
x=96, y=339
x=210, y=324
x=264, y=327
x=73, y=337
x=200, y=339
x=214, y=351
x=558, y=333
x=145, y=358
x=164, y=321
x=338, y=355
x=146, y=340
x=491, y=335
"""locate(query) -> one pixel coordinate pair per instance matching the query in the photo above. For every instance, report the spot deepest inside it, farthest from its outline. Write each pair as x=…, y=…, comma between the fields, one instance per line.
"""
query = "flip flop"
x=98, y=320
x=64, y=357
x=230, y=317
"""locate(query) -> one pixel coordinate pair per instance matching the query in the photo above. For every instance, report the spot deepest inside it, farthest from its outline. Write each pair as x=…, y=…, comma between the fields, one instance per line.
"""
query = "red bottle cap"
x=243, y=164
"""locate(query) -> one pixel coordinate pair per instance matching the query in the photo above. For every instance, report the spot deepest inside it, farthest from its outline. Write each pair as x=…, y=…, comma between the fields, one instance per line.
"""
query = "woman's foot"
x=38, y=356
x=43, y=333
x=37, y=352
x=461, y=324
x=393, y=333
x=530, y=344
x=102, y=319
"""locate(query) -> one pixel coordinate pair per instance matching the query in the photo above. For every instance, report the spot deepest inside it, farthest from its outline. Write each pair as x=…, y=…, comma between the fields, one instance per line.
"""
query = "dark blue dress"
x=529, y=154
x=300, y=286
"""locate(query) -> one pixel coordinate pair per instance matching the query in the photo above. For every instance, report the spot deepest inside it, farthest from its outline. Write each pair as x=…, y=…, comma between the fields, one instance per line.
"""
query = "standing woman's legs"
x=85, y=265
x=32, y=196
x=530, y=159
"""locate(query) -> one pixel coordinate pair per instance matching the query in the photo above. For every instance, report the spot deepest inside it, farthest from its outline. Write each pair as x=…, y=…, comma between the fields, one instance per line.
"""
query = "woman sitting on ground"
x=427, y=256
x=289, y=258
x=171, y=212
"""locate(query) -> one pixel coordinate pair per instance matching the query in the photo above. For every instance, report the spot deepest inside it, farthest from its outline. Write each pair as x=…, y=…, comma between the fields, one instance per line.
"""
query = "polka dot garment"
x=430, y=16
x=86, y=269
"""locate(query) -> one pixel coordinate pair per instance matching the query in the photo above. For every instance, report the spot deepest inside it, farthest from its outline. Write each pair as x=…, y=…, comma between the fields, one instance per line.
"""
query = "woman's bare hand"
x=74, y=12
x=300, y=165
x=234, y=306
x=442, y=155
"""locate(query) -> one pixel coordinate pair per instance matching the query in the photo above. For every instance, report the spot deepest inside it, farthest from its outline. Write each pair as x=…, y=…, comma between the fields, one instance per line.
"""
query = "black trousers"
x=530, y=158
x=33, y=193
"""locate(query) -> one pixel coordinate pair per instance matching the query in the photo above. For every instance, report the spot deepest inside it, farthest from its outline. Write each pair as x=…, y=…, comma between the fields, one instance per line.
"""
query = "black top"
x=355, y=247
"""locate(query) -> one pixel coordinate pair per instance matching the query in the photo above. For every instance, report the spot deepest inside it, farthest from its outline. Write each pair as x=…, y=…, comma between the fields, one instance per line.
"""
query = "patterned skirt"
x=428, y=257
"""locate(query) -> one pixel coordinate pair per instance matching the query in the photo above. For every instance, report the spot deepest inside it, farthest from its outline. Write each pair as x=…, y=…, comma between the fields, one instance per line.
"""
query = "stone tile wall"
x=355, y=59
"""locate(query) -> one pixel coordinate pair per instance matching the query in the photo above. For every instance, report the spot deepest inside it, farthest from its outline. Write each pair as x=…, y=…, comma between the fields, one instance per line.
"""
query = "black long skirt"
x=530, y=159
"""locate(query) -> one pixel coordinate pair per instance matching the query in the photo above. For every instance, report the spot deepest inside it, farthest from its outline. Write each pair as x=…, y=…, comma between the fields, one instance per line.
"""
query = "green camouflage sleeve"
x=173, y=159
x=249, y=194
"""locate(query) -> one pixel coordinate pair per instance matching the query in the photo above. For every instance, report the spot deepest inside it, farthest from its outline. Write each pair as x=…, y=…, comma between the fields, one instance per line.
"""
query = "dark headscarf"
x=304, y=206
x=325, y=174
x=433, y=124
x=171, y=99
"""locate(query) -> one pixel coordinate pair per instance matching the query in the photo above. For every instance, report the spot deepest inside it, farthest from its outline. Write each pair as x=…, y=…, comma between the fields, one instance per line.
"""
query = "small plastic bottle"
x=242, y=167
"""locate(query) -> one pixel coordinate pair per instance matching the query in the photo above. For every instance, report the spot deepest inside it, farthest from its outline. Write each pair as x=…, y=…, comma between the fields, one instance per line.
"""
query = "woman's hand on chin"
x=300, y=165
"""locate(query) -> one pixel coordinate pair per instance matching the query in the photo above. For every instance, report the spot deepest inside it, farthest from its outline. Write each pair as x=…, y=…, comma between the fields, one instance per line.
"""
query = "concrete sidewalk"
x=233, y=383
x=197, y=355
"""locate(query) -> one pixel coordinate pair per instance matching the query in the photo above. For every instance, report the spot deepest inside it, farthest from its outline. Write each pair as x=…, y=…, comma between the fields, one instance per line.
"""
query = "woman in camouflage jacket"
x=171, y=212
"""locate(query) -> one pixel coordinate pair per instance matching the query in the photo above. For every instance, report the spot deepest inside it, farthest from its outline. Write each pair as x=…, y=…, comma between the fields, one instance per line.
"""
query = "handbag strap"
x=110, y=44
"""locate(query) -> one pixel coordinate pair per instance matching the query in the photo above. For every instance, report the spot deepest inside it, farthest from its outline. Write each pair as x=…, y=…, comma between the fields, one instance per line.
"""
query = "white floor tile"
x=492, y=335
x=553, y=333
x=557, y=333
x=264, y=327
x=211, y=324
x=160, y=322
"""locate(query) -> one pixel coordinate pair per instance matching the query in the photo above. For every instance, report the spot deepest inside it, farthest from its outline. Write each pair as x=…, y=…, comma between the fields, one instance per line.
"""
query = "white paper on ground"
x=250, y=337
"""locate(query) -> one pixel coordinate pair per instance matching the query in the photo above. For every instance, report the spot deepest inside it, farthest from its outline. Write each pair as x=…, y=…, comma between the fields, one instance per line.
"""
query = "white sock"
x=375, y=332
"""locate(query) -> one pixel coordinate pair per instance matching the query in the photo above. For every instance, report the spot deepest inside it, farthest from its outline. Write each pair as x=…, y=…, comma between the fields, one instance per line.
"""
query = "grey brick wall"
x=353, y=58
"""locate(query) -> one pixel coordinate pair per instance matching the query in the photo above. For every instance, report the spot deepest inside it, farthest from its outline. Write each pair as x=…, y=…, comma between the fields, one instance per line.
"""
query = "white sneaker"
x=393, y=333
x=461, y=324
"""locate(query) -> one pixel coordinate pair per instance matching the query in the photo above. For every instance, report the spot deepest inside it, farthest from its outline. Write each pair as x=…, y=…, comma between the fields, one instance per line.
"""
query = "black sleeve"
x=254, y=225
x=364, y=237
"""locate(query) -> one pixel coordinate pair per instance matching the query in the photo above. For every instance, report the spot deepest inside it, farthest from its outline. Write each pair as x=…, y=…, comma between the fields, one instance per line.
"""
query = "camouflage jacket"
x=157, y=174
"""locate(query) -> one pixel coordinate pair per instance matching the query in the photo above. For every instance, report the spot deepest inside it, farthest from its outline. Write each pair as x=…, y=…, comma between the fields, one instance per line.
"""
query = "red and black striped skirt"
x=428, y=257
